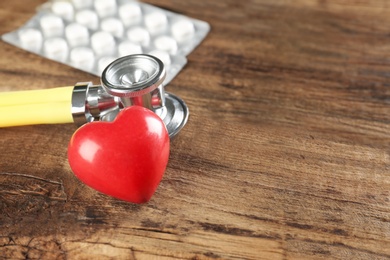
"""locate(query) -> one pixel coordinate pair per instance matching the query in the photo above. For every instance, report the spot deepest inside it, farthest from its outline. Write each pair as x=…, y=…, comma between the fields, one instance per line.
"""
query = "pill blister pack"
x=90, y=34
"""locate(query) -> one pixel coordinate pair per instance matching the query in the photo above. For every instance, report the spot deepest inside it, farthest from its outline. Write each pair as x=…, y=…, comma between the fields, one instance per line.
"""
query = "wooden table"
x=286, y=154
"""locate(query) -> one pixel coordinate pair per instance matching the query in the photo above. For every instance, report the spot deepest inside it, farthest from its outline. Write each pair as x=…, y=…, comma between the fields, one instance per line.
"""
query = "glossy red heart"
x=126, y=158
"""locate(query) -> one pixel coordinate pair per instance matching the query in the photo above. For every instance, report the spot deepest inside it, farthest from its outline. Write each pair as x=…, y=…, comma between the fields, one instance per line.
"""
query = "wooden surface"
x=286, y=154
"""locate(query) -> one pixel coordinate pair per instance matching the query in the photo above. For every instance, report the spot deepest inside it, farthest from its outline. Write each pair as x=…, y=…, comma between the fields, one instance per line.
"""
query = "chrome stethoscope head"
x=127, y=81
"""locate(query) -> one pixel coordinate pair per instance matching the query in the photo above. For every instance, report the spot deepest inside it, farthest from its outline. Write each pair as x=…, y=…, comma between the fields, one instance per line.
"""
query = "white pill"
x=31, y=39
x=103, y=43
x=156, y=22
x=51, y=25
x=105, y=8
x=63, y=9
x=82, y=58
x=166, y=43
x=77, y=34
x=56, y=49
x=113, y=26
x=104, y=62
x=88, y=18
x=183, y=30
x=139, y=35
x=162, y=55
x=130, y=13
x=80, y=4
x=127, y=48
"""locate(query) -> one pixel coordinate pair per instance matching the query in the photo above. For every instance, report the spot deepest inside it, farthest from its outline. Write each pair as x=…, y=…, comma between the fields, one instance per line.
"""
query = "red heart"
x=126, y=158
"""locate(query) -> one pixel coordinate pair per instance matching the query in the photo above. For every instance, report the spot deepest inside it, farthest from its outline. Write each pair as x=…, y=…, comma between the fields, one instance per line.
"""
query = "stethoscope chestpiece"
x=127, y=81
x=136, y=80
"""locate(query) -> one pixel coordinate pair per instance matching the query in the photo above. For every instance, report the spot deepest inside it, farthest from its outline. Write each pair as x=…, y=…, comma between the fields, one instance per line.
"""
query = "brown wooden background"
x=286, y=154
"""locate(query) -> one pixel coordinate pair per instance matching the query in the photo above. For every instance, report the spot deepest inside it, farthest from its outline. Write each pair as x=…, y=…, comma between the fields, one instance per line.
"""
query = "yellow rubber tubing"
x=32, y=107
x=39, y=96
x=34, y=114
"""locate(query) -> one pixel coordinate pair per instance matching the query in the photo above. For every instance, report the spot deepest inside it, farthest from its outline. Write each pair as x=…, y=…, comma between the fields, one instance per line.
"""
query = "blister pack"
x=90, y=34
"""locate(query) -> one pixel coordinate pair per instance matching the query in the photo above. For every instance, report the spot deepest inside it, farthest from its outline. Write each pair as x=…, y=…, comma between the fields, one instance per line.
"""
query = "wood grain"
x=285, y=156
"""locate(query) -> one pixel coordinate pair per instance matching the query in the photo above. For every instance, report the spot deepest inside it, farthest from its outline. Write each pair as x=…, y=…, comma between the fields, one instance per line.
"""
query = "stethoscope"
x=128, y=81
